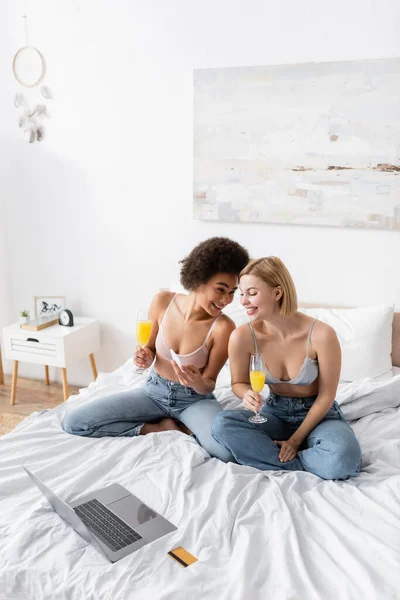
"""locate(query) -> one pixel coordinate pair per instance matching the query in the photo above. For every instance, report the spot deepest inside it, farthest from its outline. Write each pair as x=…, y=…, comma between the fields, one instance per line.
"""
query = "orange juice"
x=143, y=332
x=257, y=380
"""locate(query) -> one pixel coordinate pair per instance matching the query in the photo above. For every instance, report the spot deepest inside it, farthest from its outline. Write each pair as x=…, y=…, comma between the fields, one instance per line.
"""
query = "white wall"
x=101, y=210
x=7, y=131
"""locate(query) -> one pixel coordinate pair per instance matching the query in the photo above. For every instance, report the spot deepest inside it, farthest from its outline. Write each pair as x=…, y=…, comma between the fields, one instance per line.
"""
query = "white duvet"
x=257, y=535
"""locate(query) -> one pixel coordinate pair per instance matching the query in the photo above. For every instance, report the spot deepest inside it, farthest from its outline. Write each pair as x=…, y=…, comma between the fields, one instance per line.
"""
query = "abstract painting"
x=307, y=144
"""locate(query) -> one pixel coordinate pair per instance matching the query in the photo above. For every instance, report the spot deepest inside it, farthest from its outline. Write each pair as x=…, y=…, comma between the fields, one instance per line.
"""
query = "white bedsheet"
x=257, y=535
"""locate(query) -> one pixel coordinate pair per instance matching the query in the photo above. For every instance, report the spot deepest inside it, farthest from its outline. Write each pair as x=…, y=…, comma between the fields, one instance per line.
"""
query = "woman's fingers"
x=186, y=375
x=189, y=371
x=286, y=453
x=138, y=360
x=283, y=455
x=189, y=374
x=252, y=401
x=143, y=357
x=180, y=374
x=287, y=457
x=140, y=354
x=257, y=402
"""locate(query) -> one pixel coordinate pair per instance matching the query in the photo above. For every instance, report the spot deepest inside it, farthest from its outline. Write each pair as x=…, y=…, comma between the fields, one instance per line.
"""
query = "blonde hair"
x=272, y=270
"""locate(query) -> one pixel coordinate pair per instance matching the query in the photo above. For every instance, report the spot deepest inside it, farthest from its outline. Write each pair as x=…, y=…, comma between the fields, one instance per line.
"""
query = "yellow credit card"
x=182, y=556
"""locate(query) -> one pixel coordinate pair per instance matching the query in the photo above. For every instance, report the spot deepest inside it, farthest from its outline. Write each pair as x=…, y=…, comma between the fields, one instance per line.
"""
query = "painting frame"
x=298, y=144
x=54, y=305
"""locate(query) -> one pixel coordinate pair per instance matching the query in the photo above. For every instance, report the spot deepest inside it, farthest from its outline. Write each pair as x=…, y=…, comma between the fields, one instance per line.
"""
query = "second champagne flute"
x=143, y=332
x=257, y=381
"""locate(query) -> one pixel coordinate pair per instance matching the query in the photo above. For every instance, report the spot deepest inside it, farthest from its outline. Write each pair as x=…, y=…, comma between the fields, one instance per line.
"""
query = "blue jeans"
x=331, y=450
x=125, y=413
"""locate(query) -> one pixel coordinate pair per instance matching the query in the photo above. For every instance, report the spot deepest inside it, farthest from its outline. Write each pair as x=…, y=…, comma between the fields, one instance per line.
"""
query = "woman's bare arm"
x=327, y=345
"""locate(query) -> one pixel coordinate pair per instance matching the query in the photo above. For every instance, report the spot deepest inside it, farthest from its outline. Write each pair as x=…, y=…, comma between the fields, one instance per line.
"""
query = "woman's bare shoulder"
x=161, y=300
x=224, y=323
x=323, y=333
x=163, y=297
x=241, y=334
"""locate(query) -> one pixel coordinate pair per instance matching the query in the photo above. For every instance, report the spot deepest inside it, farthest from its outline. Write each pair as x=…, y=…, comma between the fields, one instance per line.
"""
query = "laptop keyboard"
x=106, y=525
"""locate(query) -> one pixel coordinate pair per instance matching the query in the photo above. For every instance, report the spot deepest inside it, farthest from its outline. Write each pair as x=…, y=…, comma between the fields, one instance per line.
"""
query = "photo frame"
x=48, y=306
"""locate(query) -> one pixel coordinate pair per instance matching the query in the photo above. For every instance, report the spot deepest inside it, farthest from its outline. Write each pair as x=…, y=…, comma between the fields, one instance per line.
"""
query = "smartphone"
x=176, y=359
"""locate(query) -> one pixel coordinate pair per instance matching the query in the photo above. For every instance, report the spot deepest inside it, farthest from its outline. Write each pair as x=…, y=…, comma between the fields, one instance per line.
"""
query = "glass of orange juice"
x=257, y=382
x=143, y=331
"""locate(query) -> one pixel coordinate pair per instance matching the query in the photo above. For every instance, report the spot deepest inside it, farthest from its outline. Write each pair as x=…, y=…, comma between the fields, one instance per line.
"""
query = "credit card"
x=176, y=359
x=183, y=557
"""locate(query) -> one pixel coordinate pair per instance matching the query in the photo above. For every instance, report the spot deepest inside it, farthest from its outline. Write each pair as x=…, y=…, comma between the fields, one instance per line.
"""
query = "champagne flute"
x=257, y=381
x=143, y=332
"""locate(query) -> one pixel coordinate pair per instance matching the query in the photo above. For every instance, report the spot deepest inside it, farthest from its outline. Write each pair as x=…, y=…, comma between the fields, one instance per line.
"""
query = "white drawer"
x=28, y=346
x=55, y=346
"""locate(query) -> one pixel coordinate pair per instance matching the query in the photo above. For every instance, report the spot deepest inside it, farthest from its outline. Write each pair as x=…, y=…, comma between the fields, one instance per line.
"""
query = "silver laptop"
x=112, y=519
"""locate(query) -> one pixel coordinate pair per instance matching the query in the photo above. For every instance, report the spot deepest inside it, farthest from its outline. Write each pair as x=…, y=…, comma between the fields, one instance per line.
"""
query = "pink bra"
x=198, y=357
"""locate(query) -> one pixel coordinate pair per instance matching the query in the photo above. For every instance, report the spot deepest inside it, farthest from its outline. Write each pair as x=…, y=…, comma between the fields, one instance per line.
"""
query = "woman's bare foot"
x=166, y=424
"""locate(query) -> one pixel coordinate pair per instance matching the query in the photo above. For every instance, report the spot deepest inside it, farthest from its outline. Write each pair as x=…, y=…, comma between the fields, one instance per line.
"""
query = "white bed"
x=257, y=535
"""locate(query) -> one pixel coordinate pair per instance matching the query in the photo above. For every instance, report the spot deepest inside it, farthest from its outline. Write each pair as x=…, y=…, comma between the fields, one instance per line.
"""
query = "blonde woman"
x=305, y=430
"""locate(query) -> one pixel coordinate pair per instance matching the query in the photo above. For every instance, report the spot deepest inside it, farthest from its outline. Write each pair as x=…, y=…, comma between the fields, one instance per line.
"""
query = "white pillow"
x=236, y=312
x=365, y=337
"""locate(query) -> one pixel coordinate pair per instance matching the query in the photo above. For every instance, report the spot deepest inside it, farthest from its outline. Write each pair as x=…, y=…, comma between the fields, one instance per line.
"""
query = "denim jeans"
x=125, y=413
x=330, y=451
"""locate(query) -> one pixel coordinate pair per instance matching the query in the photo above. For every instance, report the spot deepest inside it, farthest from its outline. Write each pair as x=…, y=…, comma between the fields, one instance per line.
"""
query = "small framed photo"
x=48, y=306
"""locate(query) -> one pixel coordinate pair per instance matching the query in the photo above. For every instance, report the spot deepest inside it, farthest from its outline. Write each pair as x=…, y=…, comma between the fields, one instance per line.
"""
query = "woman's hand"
x=143, y=357
x=189, y=376
x=252, y=401
x=289, y=449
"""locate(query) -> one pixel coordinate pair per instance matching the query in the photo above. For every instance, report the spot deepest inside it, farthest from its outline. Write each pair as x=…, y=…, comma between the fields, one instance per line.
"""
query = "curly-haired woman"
x=194, y=327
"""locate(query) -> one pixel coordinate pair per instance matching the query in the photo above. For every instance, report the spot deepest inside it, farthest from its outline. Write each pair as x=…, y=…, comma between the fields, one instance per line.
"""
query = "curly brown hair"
x=215, y=255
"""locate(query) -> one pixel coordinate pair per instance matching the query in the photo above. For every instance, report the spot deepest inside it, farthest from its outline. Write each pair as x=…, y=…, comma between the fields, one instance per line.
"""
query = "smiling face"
x=217, y=292
x=259, y=299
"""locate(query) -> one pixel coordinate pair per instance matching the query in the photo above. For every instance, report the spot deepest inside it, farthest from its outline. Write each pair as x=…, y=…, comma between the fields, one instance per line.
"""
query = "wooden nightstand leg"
x=64, y=382
x=93, y=363
x=46, y=372
x=1, y=370
x=14, y=383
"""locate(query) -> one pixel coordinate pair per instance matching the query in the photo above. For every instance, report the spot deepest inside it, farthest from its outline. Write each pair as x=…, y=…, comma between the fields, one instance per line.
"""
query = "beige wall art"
x=305, y=144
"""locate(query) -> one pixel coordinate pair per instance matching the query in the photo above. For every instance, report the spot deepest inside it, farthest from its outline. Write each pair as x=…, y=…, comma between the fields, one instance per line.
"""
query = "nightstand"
x=55, y=346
